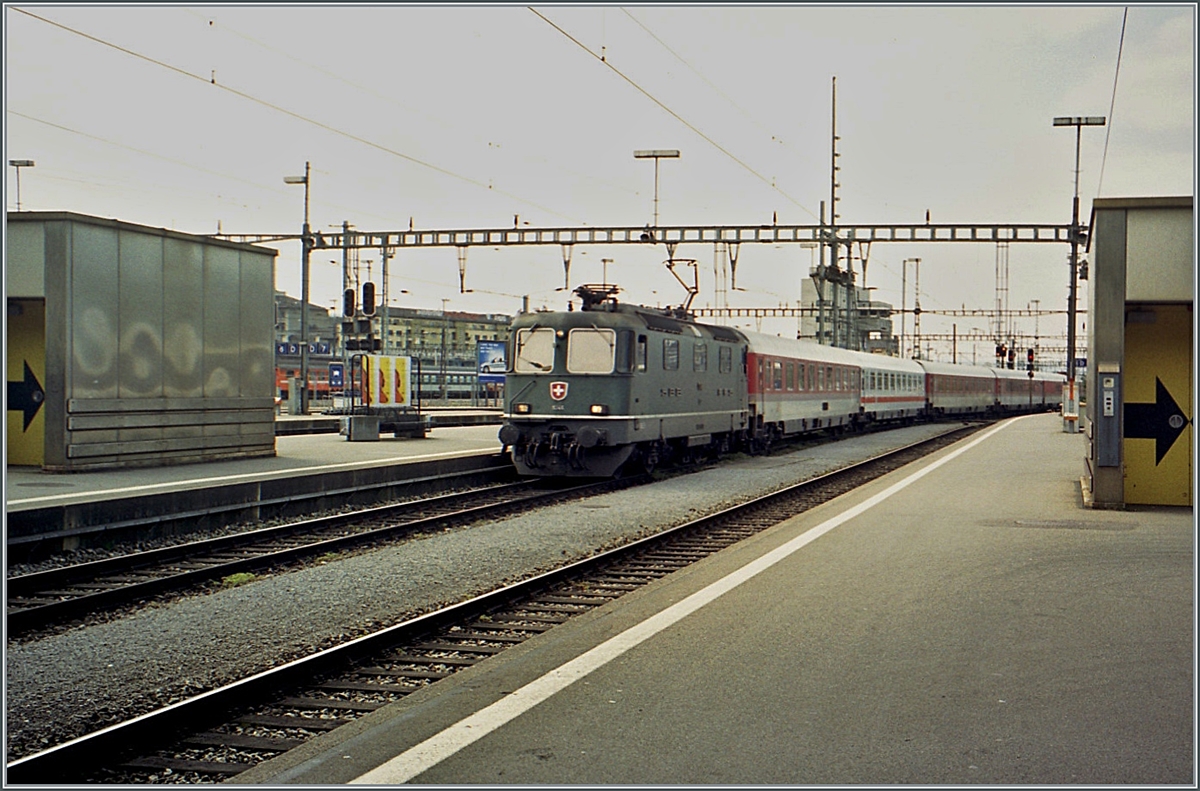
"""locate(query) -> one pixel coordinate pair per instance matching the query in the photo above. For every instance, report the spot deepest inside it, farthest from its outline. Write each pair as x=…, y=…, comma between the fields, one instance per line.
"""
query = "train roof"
x=761, y=343
x=954, y=369
x=884, y=362
x=619, y=315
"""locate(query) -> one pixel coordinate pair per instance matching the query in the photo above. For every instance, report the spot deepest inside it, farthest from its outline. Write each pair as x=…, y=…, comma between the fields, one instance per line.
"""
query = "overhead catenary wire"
x=211, y=80
x=358, y=86
x=1113, y=103
x=605, y=61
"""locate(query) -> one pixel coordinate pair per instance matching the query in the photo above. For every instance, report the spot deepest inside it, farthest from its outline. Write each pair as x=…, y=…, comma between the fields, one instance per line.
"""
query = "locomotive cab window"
x=535, y=351
x=591, y=350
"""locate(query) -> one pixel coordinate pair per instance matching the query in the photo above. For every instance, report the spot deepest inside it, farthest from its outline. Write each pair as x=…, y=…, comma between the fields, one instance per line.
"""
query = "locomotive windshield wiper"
x=534, y=363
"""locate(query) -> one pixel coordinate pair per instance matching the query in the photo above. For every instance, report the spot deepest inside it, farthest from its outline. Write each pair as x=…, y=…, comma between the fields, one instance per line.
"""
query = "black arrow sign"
x=26, y=396
x=1162, y=421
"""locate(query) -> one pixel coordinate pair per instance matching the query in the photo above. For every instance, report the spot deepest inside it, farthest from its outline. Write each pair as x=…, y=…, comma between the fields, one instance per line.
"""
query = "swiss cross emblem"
x=558, y=390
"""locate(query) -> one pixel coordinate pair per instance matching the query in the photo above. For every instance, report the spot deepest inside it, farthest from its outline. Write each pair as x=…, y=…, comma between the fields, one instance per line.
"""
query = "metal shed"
x=135, y=346
x=1141, y=363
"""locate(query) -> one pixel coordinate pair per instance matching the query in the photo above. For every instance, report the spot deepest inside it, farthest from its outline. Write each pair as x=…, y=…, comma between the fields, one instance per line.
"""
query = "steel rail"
x=23, y=620
x=83, y=755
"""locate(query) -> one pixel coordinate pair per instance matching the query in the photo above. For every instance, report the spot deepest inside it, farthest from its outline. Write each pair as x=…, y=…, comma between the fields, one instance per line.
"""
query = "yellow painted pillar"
x=1158, y=398
x=26, y=377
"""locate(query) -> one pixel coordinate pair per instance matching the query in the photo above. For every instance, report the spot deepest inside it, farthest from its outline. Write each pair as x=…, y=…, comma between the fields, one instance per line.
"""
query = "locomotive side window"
x=535, y=351
x=641, y=352
x=670, y=354
x=725, y=359
x=591, y=351
x=700, y=357
x=625, y=351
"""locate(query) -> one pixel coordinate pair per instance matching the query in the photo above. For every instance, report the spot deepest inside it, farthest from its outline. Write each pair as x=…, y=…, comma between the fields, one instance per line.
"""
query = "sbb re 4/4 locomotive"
x=612, y=384
x=615, y=387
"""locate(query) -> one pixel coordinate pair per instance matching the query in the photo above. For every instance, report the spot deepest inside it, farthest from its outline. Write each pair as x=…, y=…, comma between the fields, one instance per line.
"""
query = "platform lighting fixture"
x=1071, y=407
x=18, y=164
x=306, y=243
x=656, y=154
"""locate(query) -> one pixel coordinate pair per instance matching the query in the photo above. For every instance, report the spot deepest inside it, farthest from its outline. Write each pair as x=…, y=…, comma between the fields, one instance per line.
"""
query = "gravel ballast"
x=72, y=683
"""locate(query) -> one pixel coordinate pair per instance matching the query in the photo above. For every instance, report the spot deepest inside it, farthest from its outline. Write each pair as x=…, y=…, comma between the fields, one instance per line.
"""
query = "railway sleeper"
x=412, y=659
x=241, y=741
x=364, y=686
x=462, y=649
x=508, y=636
x=328, y=703
x=512, y=624
x=302, y=723
x=390, y=672
x=549, y=621
x=157, y=764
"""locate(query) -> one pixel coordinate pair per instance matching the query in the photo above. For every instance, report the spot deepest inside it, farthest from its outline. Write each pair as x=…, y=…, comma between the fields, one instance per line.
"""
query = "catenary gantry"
x=683, y=234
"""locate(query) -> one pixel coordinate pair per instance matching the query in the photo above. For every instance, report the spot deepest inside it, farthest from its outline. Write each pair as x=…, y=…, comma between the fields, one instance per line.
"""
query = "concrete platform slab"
x=962, y=620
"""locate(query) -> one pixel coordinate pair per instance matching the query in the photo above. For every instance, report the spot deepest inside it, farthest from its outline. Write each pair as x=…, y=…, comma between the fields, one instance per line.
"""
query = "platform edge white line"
x=447, y=742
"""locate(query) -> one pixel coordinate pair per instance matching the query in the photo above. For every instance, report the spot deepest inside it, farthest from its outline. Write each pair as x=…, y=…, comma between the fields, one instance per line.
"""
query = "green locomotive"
x=615, y=386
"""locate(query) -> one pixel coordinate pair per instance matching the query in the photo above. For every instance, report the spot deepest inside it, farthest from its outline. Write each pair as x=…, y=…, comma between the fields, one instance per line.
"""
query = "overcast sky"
x=189, y=117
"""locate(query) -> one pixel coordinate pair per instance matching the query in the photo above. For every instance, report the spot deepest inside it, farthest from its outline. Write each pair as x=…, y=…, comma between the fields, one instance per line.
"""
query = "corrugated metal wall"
x=159, y=345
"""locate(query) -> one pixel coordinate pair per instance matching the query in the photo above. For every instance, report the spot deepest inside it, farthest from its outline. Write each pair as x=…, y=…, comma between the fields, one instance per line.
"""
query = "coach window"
x=535, y=350
x=700, y=357
x=725, y=359
x=591, y=350
x=670, y=354
x=777, y=378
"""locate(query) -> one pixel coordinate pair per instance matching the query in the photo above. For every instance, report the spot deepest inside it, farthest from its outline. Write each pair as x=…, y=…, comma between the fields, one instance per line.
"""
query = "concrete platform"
x=55, y=507
x=439, y=417
x=963, y=620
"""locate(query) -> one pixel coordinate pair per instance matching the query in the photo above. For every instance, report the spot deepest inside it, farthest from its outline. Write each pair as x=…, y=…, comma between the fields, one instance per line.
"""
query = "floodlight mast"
x=307, y=244
x=17, y=164
x=656, y=154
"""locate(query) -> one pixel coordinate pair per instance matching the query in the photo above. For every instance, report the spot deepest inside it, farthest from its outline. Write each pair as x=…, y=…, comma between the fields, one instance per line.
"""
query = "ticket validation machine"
x=1107, y=421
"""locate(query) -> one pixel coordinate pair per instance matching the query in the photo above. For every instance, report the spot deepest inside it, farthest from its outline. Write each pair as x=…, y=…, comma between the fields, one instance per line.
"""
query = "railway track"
x=42, y=599
x=218, y=735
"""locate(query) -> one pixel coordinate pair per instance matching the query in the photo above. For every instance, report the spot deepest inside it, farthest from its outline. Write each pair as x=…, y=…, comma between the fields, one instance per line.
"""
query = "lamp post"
x=1071, y=404
x=306, y=245
x=656, y=154
x=18, y=164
